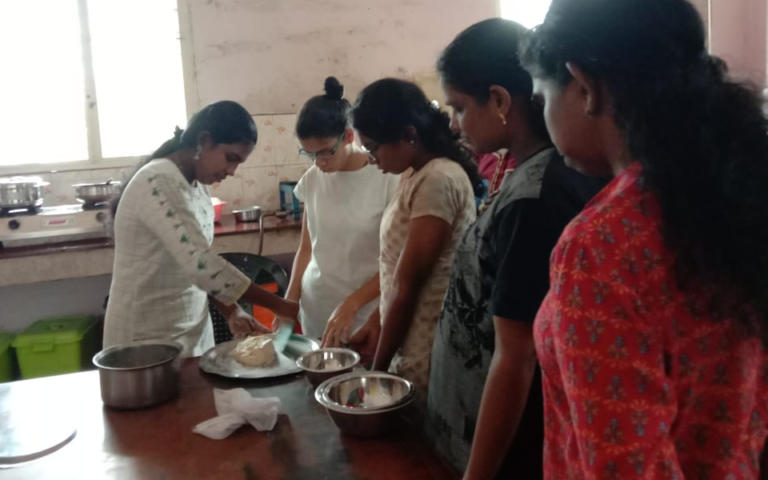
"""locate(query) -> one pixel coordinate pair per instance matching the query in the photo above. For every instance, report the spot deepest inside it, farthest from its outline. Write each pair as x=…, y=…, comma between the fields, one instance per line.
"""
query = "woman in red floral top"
x=652, y=338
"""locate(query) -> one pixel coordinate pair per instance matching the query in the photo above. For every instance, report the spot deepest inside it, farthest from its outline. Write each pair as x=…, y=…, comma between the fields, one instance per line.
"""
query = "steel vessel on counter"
x=365, y=404
x=139, y=374
x=326, y=363
x=252, y=214
x=248, y=214
x=95, y=193
x=21, y=192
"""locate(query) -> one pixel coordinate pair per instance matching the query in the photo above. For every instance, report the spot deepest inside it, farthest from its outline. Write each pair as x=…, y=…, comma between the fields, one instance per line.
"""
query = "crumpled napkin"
x=236, y=408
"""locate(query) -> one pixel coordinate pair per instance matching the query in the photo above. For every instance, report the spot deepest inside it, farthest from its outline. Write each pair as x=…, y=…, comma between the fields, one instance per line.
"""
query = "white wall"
x=275, y=158
x=738, y=35
x=23, y=304
x=271, y=55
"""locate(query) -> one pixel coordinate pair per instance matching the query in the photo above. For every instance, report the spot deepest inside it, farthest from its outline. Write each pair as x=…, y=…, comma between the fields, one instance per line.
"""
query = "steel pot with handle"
x=93, y=193
x=21, y=192
x=139, y=374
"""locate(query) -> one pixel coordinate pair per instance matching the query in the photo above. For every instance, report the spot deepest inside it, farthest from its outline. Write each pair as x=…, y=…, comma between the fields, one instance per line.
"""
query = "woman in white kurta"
x=336, y=272
x=164, y=269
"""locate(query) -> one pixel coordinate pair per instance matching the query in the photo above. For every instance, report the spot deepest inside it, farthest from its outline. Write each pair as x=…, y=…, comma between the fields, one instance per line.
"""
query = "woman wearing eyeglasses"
x=336, y=270
x=433, y=207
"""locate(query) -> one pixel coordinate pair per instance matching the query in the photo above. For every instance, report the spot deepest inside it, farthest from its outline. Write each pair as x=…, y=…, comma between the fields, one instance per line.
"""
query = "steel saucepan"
x=93, y=193
x=139, y=374
x=249, y=214
x=21, y=192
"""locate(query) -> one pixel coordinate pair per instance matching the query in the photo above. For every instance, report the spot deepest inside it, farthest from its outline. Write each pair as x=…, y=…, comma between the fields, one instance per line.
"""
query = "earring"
x=503, y=118
x=198, y=152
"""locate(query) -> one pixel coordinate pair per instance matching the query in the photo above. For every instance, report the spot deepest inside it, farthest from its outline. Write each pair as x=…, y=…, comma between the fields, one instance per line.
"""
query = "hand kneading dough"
x=255, y=352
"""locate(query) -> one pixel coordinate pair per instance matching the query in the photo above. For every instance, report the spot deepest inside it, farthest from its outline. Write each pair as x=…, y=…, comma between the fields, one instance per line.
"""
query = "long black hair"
x=486, y=54
x=225, y=121
x=386, y=108
x=326, y=115
x=701, y=137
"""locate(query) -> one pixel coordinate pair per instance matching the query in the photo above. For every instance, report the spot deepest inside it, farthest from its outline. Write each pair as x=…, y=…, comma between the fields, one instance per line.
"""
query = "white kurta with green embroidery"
x=164, y=266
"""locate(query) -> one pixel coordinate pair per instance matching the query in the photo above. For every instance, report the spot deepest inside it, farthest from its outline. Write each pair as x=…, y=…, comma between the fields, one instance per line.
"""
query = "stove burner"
x=18, y=212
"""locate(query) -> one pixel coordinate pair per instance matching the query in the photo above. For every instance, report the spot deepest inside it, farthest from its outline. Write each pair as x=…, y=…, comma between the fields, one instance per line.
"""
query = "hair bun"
x=333, y=88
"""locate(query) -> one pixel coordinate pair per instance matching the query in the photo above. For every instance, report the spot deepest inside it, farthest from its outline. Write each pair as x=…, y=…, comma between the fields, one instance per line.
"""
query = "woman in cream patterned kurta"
x=442, y=190
x=433, y=206
x=164, y=267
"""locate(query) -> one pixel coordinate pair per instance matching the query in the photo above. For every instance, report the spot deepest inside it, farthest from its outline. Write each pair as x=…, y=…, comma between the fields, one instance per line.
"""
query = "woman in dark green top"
x=494, y=428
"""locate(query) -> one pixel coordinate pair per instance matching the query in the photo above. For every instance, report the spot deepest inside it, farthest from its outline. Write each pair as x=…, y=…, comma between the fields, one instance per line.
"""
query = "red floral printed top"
x=637, y=383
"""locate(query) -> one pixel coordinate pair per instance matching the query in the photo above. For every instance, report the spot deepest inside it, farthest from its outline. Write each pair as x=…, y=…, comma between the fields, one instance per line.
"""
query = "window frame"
x=95, y=160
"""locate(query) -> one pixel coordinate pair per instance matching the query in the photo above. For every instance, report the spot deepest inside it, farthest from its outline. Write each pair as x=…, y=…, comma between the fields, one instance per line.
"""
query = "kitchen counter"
x=60, y=247
x=227, y=226
x=158, y=443
x=95, y=257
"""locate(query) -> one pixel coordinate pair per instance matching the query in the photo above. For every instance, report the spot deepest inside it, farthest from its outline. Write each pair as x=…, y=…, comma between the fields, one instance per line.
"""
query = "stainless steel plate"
x=217, y=361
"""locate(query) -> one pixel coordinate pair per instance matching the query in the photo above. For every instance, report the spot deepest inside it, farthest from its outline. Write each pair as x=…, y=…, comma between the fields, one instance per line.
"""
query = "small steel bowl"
x=139, y=374
x=365, y=404
x=320, y=365
x=249, y=214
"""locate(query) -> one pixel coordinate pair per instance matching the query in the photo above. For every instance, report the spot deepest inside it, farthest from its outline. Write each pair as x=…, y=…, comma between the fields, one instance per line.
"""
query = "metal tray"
x=217, y=361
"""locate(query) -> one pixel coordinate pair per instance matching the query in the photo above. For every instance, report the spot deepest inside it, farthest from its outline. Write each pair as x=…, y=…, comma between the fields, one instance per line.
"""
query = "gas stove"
x=53, y=224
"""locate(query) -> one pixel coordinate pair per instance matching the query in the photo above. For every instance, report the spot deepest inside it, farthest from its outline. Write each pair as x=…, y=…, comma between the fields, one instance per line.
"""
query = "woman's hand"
x=365, y=340
x=242, y=325
x=337, y=330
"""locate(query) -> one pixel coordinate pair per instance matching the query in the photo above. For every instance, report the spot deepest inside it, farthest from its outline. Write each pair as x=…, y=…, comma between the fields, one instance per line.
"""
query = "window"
x=88, y=80
x=528, y=13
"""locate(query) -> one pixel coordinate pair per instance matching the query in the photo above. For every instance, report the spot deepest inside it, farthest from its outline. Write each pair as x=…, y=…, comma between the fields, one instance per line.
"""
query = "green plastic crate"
x=55, y=346
x=6, y=365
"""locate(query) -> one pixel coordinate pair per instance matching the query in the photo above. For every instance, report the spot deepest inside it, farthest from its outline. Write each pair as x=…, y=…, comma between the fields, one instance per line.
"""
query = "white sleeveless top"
x=344, y=211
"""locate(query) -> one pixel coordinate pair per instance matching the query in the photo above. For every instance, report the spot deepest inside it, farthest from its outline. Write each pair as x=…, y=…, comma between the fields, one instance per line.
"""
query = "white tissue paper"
x=236, y=408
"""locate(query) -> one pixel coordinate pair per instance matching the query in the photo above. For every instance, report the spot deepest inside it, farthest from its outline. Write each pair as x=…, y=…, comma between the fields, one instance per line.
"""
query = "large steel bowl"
x=365, y=404
x=326, y=363
x=139, y=374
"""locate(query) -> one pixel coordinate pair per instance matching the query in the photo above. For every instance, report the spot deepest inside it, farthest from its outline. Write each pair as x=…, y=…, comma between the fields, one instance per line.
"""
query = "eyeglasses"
x=371, y=149
x=324, y=155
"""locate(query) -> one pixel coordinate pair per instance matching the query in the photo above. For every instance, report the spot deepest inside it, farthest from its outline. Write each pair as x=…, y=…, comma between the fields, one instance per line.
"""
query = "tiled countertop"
x=228, y=226
x=95, y=257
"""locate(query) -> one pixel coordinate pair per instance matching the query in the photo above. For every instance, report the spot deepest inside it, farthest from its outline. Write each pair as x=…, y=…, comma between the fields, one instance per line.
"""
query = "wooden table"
x=158, y=443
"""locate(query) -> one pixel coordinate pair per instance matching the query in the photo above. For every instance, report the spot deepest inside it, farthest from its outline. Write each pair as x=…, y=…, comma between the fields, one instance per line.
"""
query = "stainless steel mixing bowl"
x=326, y=363
x=365, y=404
